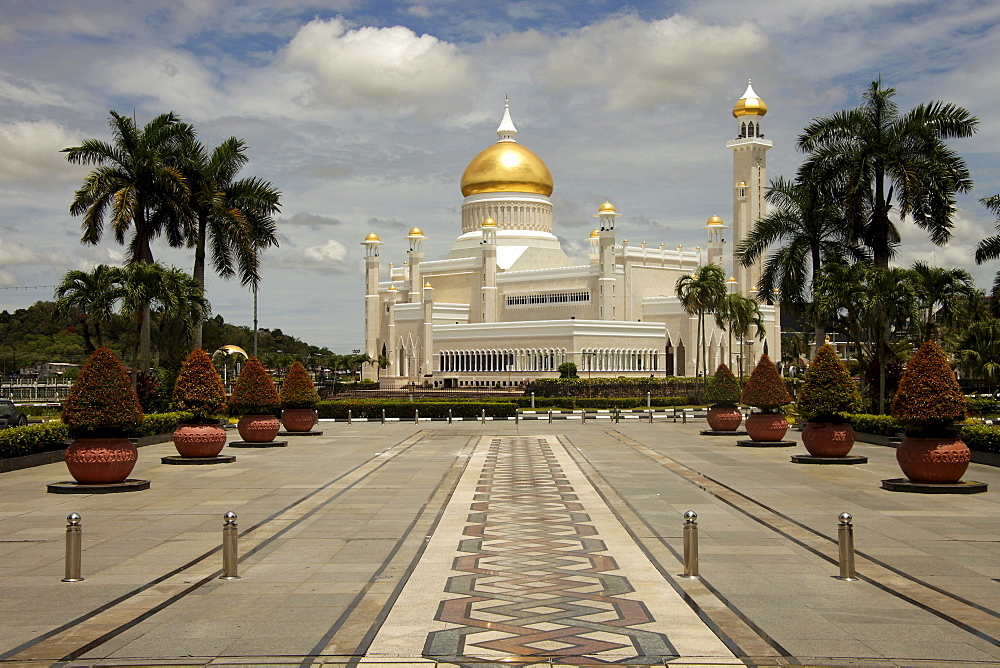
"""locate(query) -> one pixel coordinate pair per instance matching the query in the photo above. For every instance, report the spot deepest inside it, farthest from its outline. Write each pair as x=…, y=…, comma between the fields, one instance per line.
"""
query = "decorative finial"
x=506, y=130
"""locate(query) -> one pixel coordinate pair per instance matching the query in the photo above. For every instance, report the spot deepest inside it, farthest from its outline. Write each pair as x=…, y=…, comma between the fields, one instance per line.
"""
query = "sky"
x=365, y=114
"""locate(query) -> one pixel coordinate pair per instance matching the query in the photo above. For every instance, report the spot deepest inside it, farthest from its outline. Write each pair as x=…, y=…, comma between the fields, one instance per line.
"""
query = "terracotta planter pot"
x=828, y=439
x=933, y=460
x=258, y=428
x=100, y=461
x=199, y=440
x=724, y=419
x=298, y=419
x=766, y=426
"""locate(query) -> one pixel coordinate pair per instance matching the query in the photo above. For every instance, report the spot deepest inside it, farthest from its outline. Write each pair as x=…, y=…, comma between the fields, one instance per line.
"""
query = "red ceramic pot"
x=933, y=460
x=724, y=419
x=258, y=428
x=828, y=439
x=766, y=426
x=199, y=440
x=298, y=419
x=101, y=461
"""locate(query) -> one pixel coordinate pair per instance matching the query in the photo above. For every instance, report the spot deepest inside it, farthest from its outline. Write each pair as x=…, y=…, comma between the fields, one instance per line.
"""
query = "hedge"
x=982, y=405
x=160, y=423
x=882, y=425
x=20, y=441
x=981, y=437
x=403, y=409
x=610, y=387
x=603, y=402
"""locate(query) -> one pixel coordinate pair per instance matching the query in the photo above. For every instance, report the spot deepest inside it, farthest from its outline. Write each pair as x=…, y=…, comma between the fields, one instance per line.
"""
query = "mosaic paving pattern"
x=536, y=583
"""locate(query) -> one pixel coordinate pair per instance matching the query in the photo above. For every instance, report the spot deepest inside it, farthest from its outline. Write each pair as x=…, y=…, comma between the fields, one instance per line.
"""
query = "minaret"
x=390, y=329
x=426, y=362
x=416, y=256
x=749, y=179
x=372, y=311
x=606, y=213
x=716, y=228
x=488, y=288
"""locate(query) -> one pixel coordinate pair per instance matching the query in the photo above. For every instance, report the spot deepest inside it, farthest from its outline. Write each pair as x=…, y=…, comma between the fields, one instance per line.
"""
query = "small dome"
x=371, y=237
x=741, y=184
x=428, y=285
x=607, y=207
x=392, y=288
x=232, y=350
x=749, y=104
x=489, y=222
x=732, y=279
x=416, y=232
x=595, y=234
x=714, y=220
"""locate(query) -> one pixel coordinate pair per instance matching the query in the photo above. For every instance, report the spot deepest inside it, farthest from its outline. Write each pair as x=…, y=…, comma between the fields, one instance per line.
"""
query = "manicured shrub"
x=981, y=437
x=567, y=370
x=929, y=401
x=254, y=392
x=21, y=441
x=199, y=389
x=828, y=391
x=298, y=390
x=881, y=425
x=723, y=389
x=101, y=402
x=974, y=405
x=154, y=424
x=765, y=389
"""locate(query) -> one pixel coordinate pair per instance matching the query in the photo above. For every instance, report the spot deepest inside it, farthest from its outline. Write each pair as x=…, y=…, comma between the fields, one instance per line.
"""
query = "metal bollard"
x=383, y=416
x=416, y=415
x=675, y=414
x=845, y=539
x=650, y=416
x=517, y=416
x=532, y=399
x=348, y=416
x=649, y=399
x=684, y=417
x=691, y=545
x=74, y=548
x=550, y=416
x=618, y=415
x=484, y=416
x=583, y=416
x=449, y=416
x=229, y=555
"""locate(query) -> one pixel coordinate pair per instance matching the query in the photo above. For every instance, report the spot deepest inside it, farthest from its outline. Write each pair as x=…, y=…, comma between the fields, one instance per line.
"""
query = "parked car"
x=10, y=416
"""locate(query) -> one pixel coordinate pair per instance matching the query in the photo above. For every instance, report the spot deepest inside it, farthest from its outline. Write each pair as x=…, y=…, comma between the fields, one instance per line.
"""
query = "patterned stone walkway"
x=529, y=565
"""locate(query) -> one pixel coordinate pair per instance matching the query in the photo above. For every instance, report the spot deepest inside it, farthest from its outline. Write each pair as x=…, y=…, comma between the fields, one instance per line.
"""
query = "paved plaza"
x=499, y=543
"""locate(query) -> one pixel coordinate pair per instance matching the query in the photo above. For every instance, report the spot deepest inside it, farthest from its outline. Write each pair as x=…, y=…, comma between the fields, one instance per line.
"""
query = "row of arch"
x=619, y=359
x=750, y=129
x=508, y=216
x=518, y=359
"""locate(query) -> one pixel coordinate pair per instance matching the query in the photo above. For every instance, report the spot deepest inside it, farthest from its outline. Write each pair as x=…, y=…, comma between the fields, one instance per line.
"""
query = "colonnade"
x=619, y=359
x=520, y=359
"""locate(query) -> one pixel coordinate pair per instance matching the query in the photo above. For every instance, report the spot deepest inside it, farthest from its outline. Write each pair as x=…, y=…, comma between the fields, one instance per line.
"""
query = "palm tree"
x=138, y=185
x=989, y=248
x=809, y=230
x=700, y=294
x=234, y=218
x=93, y=294
x=737, y=314
x=940, y=294
x=979, y=351
x=877, y=159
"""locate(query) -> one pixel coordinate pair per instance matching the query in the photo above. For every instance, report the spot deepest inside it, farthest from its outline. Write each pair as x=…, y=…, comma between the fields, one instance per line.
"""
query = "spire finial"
x=506, y=131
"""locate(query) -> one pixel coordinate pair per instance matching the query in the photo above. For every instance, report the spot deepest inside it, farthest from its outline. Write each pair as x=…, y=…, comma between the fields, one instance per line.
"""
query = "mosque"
x=508, y=305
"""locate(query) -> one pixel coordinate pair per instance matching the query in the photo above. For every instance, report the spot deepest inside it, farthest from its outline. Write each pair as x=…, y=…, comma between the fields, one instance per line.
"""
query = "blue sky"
x=364, y=114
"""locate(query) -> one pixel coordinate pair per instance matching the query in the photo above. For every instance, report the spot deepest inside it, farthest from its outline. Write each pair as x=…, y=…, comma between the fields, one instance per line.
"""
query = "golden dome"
x=595, y=234
x=714, y=220
x=416, y=232
x=372, y=237
x=749, y=104
x=231, y=349
x=506, y=167
x=607, y=207
x=428, y=284
x=392, y=288
x=489, y=222
x=741, y=184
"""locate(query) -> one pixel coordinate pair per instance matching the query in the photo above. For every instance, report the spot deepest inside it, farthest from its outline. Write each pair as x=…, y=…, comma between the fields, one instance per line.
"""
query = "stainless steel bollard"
x=74, y=548
x=416, y=415
x=484, y=416
x=675, y=414
x=532, y=399
x=845, y=539
x=649, y=399
x=517, y=416
x=650, y=416
x=684, y=417
x=550, y=416
x=691, y=545
x=449, y=416
x=383, y=416
x=583, y=416
x=348, y=416
x=229, y=553
x=617, y=415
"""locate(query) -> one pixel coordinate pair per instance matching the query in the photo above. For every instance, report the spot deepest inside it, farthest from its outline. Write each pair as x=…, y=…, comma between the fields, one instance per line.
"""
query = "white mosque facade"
x=508, y=305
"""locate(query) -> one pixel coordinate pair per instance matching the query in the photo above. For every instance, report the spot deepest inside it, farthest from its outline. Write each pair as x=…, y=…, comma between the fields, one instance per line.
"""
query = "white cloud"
x=638, y=64
x=331, y=257
x=29, y=92
x=29, y=153
x=311, y=220
x=375, y=66
x=173, y=78
x=16, y=255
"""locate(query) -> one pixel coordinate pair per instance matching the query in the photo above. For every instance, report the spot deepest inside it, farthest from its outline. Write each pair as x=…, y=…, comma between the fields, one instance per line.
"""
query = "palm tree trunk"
x=199, y=274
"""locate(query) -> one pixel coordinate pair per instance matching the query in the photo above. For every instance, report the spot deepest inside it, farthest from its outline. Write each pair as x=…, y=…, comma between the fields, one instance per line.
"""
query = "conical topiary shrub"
x=298, y=399
x=828, y=392
x=199, y=391
x=930, y=402
x=722, y=395
x=766, y=391
x=256, y=400
x=101, y=410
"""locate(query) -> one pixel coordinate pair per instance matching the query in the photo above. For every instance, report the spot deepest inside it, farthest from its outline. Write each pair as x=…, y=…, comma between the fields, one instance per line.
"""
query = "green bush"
x=395, y=408
x=254, y=392
x=929, y=401
x=101, y=402
x=298, y=391
x=567, y=370
x=40, y=411
x=602, y=402
x=199, y=389
x=982, y=405
x=881, y=425
x=723, y=389
x=20, y=441
x=828, y=391
x=981, y=437
x=610, y=387
x=160, y=423
x=765, y=389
